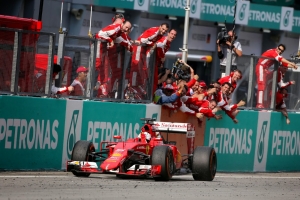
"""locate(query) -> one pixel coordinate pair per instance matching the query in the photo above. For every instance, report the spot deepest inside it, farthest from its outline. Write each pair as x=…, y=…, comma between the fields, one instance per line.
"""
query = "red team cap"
x=82, y=69
x=168, y=87
x=202, y=84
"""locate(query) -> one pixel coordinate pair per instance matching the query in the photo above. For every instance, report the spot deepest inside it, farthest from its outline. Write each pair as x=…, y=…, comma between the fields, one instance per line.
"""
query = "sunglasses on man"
x=280, y=49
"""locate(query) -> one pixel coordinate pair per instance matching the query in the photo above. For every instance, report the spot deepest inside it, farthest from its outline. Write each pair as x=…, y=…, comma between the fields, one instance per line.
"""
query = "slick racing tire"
x=163, y=155
x=204, y=164
x=81, y=152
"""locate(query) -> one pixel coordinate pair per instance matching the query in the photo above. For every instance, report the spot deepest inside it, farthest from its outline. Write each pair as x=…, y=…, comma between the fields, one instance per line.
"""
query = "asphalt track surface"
x=63, y=185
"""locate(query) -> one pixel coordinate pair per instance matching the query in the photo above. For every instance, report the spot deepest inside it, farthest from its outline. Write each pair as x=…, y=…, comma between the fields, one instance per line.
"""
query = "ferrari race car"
x=148, y=155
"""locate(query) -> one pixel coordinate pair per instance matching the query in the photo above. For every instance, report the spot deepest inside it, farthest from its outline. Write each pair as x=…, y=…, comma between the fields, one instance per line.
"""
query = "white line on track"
x=218, y=176
x=258, y=176
x=27, y=176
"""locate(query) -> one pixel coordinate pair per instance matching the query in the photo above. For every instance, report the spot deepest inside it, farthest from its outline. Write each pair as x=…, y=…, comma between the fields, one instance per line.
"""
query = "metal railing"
x=27, y=58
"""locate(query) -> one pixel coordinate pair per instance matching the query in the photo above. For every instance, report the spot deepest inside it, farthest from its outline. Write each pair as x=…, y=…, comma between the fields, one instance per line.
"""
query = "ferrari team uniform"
x=141, y=56
x=263, y=74
x=280, y=82
x=229, y=80
x=125, y=41
x=191, y=105
x=222, y=102
x=105, y=58
x=280, y=100
x=162, y=46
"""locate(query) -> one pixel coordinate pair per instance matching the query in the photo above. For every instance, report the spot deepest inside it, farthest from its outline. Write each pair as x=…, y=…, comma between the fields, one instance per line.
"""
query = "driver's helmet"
x=146, y=135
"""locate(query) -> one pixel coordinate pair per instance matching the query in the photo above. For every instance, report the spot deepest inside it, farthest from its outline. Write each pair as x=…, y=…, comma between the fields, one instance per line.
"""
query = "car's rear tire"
x=204, y=164
x=163, y=155
x=81, y=152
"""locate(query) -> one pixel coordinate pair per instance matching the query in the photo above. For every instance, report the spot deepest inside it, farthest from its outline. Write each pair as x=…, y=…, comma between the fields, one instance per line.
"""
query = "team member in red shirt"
x=281, y=73
x=222, y=102
x=194, y=89
x=263, y=73
x=232, y=78
x=79, y=82
x=141, y=54
x=199, y=108
x=107, y=35
x=162, y=46
x=116, y=62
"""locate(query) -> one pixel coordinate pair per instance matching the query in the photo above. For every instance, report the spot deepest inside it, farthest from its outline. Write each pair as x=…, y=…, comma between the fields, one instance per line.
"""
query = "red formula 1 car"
x=148, y=155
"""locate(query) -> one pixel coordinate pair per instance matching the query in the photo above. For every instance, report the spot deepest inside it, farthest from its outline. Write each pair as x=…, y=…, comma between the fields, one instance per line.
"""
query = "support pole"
x=274, y=86
x=229, y=55
x=61, y=12
x=14, y=86
x=251, y=84
x=186, y=30
x=50, y=65
x=41, y=10
x=60, y=56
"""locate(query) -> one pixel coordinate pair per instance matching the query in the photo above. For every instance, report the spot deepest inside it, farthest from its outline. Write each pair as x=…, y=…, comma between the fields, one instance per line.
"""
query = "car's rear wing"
x=182, y=128
x=173, y=127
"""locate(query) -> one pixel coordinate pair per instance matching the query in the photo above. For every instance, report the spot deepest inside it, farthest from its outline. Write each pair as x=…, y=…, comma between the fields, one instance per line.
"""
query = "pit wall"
x=260, y=142
x=39, y=133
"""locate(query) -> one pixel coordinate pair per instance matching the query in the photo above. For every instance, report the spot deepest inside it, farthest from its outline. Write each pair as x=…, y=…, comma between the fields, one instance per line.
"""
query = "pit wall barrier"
x=260, y=142
x=39, y=133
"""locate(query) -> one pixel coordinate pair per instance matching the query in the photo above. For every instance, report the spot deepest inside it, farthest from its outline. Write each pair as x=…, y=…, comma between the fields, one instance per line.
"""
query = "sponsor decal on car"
x=116, y=155
x=147, y=149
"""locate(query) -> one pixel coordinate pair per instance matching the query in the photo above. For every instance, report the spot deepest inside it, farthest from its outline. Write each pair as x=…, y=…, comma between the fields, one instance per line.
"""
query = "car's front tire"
x=163, y=155
x=81, y=152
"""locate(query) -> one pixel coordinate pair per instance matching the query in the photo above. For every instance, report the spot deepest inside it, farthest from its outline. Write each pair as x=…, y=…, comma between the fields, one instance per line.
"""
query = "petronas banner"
x=271, y=14
x=275, y=2
x=273, y=17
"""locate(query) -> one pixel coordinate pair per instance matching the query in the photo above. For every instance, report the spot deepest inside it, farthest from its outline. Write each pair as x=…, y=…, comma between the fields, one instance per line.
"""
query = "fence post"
x=50, y=65
x=250, y=83
x=121, y=58
x=14, y=85
x=91, y=77
x=60, y=56
x=126, y=69
x=274, y=85
x=151, y=69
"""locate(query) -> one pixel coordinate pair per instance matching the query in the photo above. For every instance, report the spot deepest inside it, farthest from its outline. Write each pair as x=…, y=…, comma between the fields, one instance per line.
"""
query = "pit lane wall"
x=39, y=133
x=260, y=142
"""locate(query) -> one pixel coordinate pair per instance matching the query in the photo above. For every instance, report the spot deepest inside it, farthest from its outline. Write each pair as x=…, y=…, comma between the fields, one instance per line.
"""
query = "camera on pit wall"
x=223, y=36
x=181, y=71
x=295, y=58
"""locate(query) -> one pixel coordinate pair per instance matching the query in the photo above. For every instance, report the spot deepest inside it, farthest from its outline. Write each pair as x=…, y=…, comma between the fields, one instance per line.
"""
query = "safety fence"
x=115, y=74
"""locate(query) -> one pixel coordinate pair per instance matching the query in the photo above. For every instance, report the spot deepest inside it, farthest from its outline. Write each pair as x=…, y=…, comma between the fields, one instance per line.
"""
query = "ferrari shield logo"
x=147, y=149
